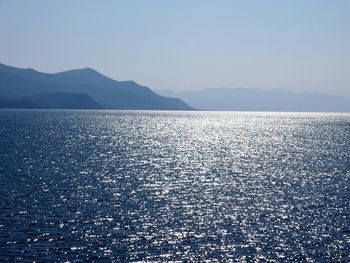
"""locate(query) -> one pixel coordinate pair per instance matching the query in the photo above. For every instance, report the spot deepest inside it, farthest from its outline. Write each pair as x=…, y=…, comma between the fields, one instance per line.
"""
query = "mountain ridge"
x=253, y=99
x=16, y=83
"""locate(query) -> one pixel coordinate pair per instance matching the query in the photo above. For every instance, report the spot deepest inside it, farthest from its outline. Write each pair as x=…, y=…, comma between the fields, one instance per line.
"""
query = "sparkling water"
x=152, y=186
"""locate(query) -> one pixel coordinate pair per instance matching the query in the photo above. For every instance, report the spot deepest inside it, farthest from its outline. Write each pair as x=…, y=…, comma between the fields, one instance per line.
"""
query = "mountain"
x=17, y=104
x=51, y=101
x=91, y=90
x=244, y=99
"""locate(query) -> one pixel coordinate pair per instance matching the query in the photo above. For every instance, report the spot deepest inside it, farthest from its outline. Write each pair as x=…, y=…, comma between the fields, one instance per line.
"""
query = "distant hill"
x=77, y=89
x=17, y=104
x=244, y=99
x=51, y=101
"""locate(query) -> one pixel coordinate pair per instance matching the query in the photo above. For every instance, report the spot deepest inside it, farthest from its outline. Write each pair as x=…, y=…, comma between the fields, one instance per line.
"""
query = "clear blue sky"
x=184, y=44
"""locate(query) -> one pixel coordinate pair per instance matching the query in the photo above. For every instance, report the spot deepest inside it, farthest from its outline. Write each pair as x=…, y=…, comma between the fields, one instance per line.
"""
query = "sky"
x=301, y=45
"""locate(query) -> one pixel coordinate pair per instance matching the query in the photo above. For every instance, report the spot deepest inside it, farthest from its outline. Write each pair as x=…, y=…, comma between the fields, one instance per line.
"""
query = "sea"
x=174, y=186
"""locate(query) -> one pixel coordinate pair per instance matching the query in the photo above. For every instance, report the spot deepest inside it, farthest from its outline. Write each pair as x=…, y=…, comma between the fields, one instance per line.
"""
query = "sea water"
x=154, y=186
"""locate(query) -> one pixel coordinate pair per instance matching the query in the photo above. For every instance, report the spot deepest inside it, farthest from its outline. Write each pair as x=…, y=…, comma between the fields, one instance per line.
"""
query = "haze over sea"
x=166, y=186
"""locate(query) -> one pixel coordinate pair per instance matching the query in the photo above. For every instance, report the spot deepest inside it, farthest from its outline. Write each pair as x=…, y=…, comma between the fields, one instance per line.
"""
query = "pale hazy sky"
x=184, y=44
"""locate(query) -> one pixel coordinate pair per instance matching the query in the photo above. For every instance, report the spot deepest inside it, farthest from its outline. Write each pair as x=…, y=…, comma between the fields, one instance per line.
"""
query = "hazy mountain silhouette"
x=260, y=100
x=91, y=89
x=51, y=101
x=64, y=101
x=17, y=104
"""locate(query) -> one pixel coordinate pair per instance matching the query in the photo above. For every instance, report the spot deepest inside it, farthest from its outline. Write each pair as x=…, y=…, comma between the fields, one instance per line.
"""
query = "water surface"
x=174, y=186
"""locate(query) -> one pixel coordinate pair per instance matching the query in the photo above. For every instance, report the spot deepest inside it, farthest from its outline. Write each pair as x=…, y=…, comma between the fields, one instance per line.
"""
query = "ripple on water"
x=174, y=186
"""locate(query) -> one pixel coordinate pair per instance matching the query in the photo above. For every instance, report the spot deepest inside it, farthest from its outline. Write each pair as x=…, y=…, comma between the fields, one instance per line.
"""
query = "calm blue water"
x=174, y=186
